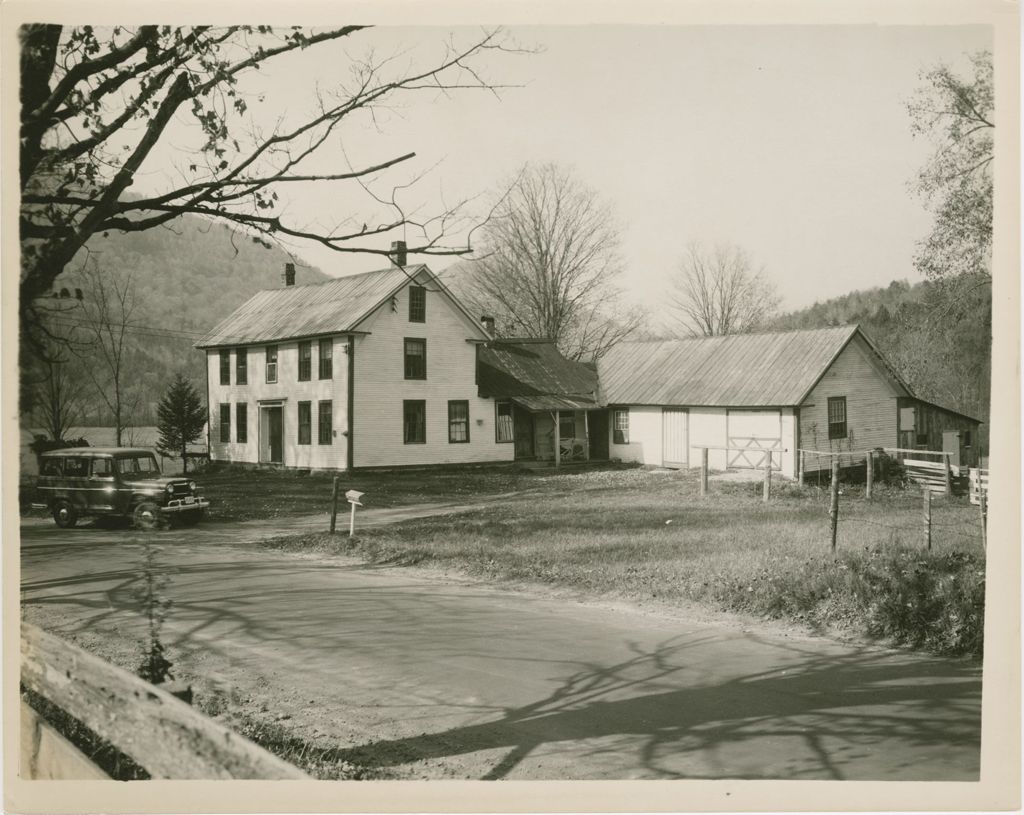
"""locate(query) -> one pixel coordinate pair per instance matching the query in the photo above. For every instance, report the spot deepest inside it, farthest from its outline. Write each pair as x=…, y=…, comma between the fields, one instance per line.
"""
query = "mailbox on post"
x=353, y=497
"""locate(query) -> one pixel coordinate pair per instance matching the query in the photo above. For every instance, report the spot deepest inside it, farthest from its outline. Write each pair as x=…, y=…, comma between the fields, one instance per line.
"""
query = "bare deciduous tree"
x=718, y=292
x=61, y=391
x=548, y=265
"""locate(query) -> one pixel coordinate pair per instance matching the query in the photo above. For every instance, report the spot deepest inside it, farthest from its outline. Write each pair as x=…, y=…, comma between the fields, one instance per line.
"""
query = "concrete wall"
x=290, y=391
x=871, y=408
x=381, y=387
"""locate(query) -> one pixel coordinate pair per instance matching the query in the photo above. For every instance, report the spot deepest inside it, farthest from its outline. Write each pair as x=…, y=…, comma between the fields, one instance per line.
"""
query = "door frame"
x=685, y=463
x=264, y=411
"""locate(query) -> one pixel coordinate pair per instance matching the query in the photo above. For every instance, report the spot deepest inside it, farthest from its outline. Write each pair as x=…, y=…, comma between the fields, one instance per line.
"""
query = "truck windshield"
x=143, y=466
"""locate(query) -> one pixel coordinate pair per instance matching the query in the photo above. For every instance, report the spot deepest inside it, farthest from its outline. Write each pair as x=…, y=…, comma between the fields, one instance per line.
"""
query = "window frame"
x=620, y=430
x=498, y=405
x=406, y=356
x=321, y=438
x=965, y=438
x=271, y=364
x=564, y=416
x=242, y=422
x=417, y=304
x=305, y=361
x=328, y=359
x=225, y=423
x=241, y=366
x=407, y=404
x=454, y=403
x=108, y=476
x=834, y=434
x=307, y=425
x=225, y=366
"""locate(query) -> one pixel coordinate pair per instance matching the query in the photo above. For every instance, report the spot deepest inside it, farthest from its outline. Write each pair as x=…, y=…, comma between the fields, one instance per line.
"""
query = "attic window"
x=417, y=304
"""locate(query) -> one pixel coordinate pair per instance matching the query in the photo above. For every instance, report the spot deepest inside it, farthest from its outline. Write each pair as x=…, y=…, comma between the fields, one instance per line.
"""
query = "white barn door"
x=675, y=447
x=754, y=433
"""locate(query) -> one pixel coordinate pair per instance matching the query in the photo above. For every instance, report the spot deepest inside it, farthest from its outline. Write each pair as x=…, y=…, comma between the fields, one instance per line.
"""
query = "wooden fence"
x=163, y=735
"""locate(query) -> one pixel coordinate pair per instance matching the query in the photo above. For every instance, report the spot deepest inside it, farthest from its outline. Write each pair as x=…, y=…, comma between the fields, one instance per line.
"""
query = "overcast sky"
x=792, y=142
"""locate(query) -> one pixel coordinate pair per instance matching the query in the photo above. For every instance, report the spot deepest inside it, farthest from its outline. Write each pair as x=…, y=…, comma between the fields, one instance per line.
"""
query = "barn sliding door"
x=675, y=452
x=752, y=433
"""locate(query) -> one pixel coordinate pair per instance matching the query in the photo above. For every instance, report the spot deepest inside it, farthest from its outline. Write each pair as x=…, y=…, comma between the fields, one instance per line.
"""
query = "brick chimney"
x=289, y=274
x=398, y=254
x=488, y=323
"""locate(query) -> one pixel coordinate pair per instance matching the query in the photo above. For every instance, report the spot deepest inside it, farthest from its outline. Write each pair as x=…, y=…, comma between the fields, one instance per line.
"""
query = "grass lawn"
x=641, y=535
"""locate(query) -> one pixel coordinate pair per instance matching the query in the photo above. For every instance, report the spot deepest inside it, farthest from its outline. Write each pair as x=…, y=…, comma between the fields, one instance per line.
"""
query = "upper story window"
x=225, y=367
x=417, y=304
x=620, y=426
x=271, y=363
x=241, y=366
x=305, y=361
x=415, y=358
x=837, y=417
x=326, y=359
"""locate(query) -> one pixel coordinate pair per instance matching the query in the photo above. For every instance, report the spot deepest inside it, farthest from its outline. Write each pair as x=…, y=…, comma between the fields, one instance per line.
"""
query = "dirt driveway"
x=434, y=677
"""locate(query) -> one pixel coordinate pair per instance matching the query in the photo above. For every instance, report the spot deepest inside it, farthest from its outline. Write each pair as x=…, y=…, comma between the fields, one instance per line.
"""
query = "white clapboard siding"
x=871, y=407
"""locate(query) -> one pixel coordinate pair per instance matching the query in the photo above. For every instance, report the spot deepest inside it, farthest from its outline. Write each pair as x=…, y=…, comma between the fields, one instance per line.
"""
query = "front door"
x=271, y=435
x=598, y=426
x=674, y=438
x=523, y=432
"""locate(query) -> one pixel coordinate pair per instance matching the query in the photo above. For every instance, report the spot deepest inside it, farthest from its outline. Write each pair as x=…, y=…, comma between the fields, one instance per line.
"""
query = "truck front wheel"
x=65, y=515
x=146, y=516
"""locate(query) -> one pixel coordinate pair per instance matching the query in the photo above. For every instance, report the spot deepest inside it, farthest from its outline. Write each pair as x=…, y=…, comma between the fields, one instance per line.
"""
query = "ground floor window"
x=324, y=423
x=241, y=423
x=566, y=425
x=503, y=422
x=458, y=421
x=225, y=424
x=620, y=426
x=836, y=417
x=305, y=422
x=414, y=412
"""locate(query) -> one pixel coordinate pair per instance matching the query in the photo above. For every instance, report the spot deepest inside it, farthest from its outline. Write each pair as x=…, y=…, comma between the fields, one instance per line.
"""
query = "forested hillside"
x=941, y=344
x=186, y=278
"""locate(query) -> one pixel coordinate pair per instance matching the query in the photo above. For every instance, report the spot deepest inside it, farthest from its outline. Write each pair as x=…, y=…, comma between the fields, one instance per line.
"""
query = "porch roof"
x=534, y=374
x=548, y=402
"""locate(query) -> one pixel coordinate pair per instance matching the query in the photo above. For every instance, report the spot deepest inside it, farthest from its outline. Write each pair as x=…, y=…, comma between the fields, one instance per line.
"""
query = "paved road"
x=433, y=677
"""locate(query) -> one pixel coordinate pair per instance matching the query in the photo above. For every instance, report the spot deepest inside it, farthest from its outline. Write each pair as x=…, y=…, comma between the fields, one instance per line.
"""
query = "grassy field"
x=640, y=535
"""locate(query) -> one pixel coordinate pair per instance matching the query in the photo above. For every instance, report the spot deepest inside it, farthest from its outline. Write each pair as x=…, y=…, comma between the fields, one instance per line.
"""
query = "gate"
x=753, y=433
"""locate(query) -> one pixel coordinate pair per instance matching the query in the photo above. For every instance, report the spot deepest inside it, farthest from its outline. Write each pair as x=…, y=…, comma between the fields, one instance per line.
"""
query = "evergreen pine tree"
x=181, y=417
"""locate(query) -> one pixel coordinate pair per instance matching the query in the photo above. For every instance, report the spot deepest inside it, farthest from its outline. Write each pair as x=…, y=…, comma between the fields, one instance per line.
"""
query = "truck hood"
x=153, y=483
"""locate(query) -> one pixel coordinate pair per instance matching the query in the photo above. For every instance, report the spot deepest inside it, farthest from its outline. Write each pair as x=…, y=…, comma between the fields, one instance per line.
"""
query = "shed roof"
x=738, y=370
x=331, y=307
x=536, y=375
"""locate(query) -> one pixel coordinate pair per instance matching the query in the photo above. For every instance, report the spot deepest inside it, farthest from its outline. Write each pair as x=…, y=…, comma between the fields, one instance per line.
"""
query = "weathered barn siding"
x=381, y=387
x=290, y=391
x=923, y=424
x=871, y=407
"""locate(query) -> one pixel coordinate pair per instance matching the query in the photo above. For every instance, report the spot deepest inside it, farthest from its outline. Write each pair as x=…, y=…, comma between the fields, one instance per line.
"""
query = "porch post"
x=558, y=442
x=586, y=435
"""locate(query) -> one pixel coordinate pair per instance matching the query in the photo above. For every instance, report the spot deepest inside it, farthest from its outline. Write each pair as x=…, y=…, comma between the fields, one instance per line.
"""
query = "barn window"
x=271, y=363
x=305, y=422
x=305, y=361
x=837, y=417
x=417, y=304
x=620, y=426
x=326, y=359
x=324, y=422
x=503, y=422
x=414, y=420
x=225, y=367
x=225, y=423
x=241, y=422
x=967, y=438
x=415, y=359
x=458, y=421
x=241, y=367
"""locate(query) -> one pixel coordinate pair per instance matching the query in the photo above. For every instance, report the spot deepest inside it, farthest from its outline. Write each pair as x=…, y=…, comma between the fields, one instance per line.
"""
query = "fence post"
x=870, y=475
x=833, y=504
x=949, y=475
x=800, y=467
x=981, y=502
x=334, y=505
x=928, y=518
x=767, y=478
x=703, y=472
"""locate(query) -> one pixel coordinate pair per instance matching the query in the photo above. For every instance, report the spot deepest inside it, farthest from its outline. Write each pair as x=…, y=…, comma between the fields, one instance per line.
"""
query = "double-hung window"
x=225, y=423
x=326, y=359
x=414, y=412
x=458, y=421
x=241, y=367
x=271, y=363
x=620, y=426
x=241, y=422
x=836, y=417
x=503, y=427
x=417, y=304
x=305, y=422
x=305, y=361
x=324, y=425
x=225, y=367
x=415, y=358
